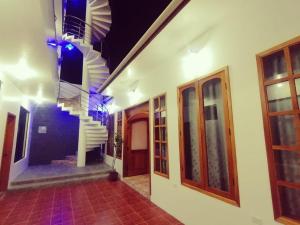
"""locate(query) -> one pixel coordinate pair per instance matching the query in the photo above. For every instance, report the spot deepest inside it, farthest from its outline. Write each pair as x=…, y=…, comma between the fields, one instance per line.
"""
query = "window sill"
x=162, y=174
x=287, y=221
x=211, y=194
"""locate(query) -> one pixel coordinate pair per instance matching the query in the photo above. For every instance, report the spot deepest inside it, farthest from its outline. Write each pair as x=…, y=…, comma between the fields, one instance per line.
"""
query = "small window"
x=110, y=130
x=161, y=165
x=206, y=138
x=279, y=74
x=22, y=135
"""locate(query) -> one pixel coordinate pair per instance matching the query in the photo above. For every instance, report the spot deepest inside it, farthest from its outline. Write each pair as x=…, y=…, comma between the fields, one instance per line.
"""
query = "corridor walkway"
x=95, y=203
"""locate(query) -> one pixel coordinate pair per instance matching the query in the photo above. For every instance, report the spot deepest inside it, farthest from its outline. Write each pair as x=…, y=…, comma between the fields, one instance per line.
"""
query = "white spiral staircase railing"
x=82, y=35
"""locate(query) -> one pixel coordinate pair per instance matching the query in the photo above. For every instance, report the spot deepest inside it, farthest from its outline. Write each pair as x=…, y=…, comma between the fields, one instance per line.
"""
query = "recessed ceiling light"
x=20, y=71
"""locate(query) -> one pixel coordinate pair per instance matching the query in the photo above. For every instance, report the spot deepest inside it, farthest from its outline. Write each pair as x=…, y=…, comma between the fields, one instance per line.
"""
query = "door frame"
x=7, y=154
x=138, y=116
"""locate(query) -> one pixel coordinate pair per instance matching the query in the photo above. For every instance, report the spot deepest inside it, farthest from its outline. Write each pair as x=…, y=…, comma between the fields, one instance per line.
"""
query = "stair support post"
x=81, y=154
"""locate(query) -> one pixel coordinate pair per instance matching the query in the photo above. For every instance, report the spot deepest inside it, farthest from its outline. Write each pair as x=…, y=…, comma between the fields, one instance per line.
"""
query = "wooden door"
x=7, y=151
x=138, y=147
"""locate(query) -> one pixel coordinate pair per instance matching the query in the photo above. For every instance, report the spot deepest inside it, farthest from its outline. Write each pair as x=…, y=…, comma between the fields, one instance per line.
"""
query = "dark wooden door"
x=7, y=151
x=138, y=147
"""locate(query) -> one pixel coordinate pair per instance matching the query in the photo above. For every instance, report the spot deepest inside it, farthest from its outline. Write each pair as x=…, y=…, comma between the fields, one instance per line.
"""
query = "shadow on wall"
x=54, y=134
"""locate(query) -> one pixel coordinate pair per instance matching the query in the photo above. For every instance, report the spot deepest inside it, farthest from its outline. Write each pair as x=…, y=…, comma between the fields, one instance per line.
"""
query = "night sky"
x=130, y=20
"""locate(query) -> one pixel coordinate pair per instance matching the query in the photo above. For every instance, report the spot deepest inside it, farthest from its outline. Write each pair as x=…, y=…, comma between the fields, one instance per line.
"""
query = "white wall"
x=10, y=101
x=220, y=33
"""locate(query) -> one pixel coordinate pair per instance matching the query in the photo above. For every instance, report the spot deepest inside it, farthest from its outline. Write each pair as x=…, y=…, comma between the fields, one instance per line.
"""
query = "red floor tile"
x=95, y=203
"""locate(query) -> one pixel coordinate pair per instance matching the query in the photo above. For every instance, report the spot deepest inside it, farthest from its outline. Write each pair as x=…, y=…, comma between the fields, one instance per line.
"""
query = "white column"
x=81, y=154
x=88, y=19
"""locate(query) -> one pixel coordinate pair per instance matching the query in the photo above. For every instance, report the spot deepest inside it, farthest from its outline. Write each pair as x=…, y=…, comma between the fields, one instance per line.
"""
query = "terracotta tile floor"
x=139, y=183
x=95, y=203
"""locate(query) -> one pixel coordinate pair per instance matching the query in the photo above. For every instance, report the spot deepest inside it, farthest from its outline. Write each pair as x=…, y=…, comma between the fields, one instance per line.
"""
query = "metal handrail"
x=79, y=28
x=87, y=92
x=82, y=90
x=92, y=105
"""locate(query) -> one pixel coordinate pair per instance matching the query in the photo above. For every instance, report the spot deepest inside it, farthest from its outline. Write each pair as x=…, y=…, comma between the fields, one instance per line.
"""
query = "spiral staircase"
x=77, y=100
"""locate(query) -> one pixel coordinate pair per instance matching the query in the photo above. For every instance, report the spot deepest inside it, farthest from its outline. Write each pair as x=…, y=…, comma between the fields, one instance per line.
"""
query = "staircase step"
x=103, y=4
x=101, y=25
x=91, y=56
x=104, y=12
x=93, y=59
x=98, y=66
x=65, y=162
x=105, y=18
x=96, y=135
x=93, y=145
x=86, y=118
x=98, y=70
x=97, y=76
x=98, y=36
x=59, y=180
x=96, y=139
x=90, y=129
x=99, y=32
x=98, y=80
x=94, y=3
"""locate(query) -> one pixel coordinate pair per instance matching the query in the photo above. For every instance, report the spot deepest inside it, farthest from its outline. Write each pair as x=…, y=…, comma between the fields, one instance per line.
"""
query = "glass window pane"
x=156, y=105
x=162, y=102
x=156, y=118
x=297, y=83
x=163, y=133
x=190, y=134
x=157, y=165
x=290, y=202
x=120, y=115
x=283, y=130
x=279, y=97
x=288, y=165
x=275, y=66
x=163, y=115
x=218, y=176
x=295, y=55
x=164, y=166
x=157, y=150
x=156, y=135
x=164, y=150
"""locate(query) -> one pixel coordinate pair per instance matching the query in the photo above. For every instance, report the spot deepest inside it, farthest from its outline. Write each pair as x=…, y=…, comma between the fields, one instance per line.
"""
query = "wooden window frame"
x=231, y=197
x=120, y=131
x=160, y=173
x=291, y=77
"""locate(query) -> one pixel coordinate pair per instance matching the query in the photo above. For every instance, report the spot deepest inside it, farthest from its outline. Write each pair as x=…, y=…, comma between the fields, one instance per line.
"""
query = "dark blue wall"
x=61, y=138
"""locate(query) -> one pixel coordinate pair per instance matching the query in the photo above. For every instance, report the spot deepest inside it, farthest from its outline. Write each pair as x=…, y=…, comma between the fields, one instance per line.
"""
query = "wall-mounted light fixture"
x=52, y=42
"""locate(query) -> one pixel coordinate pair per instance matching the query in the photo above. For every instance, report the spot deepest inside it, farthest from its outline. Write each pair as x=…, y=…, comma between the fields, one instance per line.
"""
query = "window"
x=207, y=149
x=22, y=134
x=119, y=132
x=110, y=130
x=161, y=165
x=279, y=75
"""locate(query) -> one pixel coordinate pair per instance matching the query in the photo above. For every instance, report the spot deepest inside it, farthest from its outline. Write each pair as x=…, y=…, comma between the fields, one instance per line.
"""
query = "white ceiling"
x=25, y=27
